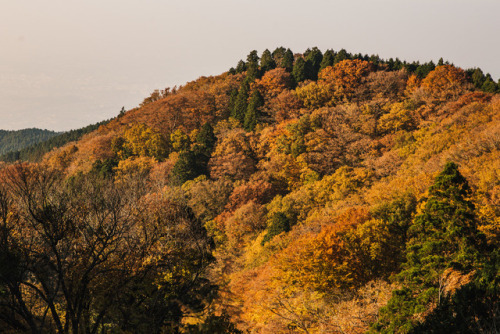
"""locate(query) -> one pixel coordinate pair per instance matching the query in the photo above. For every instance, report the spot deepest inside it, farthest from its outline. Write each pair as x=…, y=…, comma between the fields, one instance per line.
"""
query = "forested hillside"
x=19, y=139
x=295, y=193
x=35, y=150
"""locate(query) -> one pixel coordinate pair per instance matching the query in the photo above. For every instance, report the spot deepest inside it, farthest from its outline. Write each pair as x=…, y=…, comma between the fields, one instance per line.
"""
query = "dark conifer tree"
x=424, y=69
x=253, y=113
x=489, y=85
x=233, y=94
x=478, y=77
x=341, y=55
x=206, y=139
x=398, y=64
x=328, y=58
x=267, y=62
x=241, y=67
x=252, y=65
x=313, y=59
x=288, y=60
x=240, y=104
x=375, y=59
x=299, y=71
x=443, y=236
x=278, y=55
x=187, y=167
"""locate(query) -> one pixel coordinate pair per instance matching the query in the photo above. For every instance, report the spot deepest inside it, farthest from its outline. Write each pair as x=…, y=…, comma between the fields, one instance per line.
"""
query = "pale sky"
x=65, y=64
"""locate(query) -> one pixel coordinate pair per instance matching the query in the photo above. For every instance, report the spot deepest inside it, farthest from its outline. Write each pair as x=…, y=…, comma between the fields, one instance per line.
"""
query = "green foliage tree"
x=313, y=58
x=341, y=55
x=489, y=85
x=443, y=236
x=288, y=60
x=477, y=77
x=241, y=67
x=188, y=166
x=252, y=65
x=425, y=69
x=253, y=113
x=328, y=59
x=241, y=102
x=299, y=71
x=279, y=223
x=267, y=62
x=206, y=139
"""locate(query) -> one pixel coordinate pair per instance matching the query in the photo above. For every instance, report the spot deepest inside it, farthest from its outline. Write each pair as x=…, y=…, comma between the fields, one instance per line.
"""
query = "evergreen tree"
x=313, y=58
x=398, y=64
x=287, y=61
x=205, y=140
x=278, y=55
x=299, y=72
x=425, y=69
x=478, y=77
x=327, y=60
x=233, y=94
x=375, y=59
x=241, y=67
x=252, y=114
x=187, y=167
x=443, y=236
x=489, y=85
x=266, y=61
x=240, y=104
x=341, y=55
x=252, y=65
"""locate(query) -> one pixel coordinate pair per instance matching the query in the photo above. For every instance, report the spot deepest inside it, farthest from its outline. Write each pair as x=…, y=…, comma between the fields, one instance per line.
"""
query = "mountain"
x=35, y=150
x=19, y=139
x=296, y=193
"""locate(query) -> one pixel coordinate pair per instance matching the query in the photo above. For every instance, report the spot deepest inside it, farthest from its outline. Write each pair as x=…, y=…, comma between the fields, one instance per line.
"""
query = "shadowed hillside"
x=19, y=139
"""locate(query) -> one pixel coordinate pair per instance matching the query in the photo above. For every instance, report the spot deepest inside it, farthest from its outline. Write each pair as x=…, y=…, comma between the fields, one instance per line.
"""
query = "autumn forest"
x=314, y=192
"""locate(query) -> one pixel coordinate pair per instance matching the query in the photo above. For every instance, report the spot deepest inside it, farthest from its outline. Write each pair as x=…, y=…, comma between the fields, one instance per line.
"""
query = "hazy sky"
x=68, y=63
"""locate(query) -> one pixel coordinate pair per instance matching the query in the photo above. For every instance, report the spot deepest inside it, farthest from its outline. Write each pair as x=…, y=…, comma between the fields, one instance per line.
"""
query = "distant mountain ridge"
x=15, y=140
x=35, y=150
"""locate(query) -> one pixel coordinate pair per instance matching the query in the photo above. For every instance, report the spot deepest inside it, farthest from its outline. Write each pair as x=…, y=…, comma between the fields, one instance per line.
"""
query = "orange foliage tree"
x=446, y=81
x=345, y=76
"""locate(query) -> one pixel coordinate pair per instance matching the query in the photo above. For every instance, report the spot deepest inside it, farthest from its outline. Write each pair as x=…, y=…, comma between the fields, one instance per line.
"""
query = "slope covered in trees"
x=17, y=140
x=295, y=193
x=35, y=150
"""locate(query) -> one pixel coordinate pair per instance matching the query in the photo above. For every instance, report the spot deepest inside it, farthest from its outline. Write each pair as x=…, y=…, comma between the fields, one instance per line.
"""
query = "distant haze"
x=65, y=64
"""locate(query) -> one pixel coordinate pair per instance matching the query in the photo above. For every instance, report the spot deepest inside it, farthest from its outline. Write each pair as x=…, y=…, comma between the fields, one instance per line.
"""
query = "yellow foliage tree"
x=141, y=140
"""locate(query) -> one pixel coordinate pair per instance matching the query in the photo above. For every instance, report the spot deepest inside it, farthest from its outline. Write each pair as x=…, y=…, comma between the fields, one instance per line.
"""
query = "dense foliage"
x=17, y=140
x=295, y=193
x=35, y=150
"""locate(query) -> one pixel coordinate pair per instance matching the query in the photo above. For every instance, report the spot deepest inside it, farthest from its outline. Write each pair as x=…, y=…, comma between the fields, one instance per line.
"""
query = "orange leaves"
x=412, y=84
x=345, y=76
x=335, y=84
x=232, y=156
x=274, y=82
x=446, y=81
x=326, y=261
